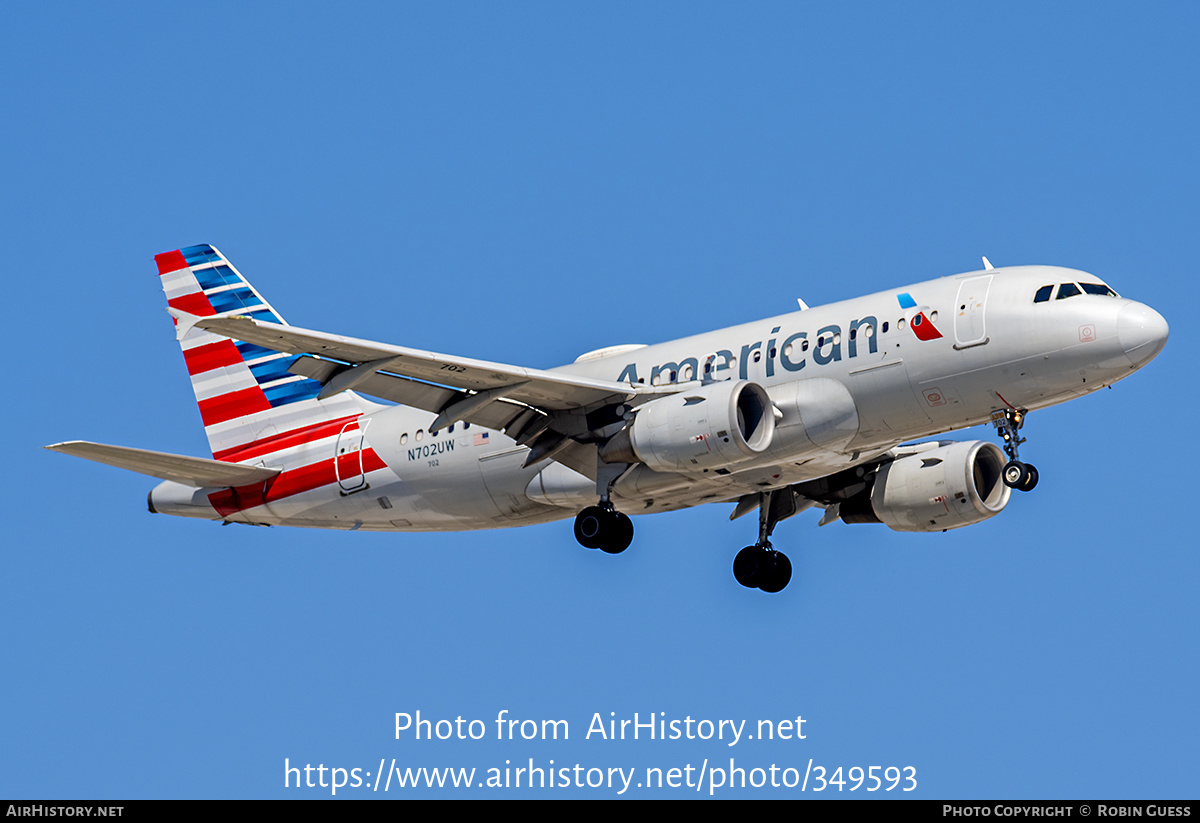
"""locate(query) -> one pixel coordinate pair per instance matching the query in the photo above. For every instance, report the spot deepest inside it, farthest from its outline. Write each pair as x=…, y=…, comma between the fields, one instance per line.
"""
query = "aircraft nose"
x=1142, y=331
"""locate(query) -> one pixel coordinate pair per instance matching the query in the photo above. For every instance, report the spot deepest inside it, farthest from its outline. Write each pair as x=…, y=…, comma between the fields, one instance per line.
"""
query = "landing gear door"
x=969, y=328
x=347, y=461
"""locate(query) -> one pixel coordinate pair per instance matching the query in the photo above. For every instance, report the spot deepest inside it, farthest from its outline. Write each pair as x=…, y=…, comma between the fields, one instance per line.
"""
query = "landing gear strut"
x=760, y=566
x=1017, y=475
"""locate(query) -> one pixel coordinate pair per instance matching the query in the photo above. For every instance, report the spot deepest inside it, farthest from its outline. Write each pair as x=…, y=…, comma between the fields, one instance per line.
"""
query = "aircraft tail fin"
x=245, y=392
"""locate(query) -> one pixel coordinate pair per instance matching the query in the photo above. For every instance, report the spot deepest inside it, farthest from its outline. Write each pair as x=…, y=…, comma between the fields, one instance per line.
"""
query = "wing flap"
x=497, y=414
x=190, y=471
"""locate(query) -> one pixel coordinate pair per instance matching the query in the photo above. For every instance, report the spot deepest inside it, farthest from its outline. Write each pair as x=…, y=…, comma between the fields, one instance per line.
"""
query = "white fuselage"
x=850, y=380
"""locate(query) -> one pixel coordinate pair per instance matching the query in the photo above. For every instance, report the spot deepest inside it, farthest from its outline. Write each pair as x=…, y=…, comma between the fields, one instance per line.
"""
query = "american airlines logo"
x=922, y=323
x=828, y=345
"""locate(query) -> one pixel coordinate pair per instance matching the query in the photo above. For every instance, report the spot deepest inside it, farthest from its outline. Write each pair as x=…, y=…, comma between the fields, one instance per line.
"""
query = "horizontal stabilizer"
x=191, y=471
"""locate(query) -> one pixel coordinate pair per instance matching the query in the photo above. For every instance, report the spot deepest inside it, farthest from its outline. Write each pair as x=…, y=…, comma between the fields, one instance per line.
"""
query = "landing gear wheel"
x=747, y=565
x=761, y=567
x=606, y=529
x=1016, y=475
x=1008, y=422
x=589, y=527
x=619, y=533
x=777, y=572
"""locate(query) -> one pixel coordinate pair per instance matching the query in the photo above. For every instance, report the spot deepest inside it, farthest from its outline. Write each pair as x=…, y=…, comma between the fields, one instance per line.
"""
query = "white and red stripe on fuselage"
x=309, y=452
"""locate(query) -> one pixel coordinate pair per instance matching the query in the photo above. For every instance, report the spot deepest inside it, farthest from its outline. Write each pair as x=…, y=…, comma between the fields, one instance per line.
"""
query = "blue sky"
x=525, y=182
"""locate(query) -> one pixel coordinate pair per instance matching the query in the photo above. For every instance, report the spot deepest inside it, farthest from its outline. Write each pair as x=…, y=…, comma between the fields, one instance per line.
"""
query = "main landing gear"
x=603, y=527
x=760, y=566
x=1017, y=475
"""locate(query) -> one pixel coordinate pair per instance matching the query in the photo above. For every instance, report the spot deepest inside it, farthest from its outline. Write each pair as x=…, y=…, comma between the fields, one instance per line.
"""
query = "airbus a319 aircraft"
x=813, y=408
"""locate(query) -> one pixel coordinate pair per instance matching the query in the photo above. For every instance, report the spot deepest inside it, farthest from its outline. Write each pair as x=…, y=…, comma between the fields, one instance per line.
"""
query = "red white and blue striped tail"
x=249, y=402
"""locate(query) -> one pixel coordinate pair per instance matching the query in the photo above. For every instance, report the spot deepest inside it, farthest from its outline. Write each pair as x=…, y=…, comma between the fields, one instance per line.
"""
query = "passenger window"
x=885, y=325
x=1067, y=290
x=1043, y=294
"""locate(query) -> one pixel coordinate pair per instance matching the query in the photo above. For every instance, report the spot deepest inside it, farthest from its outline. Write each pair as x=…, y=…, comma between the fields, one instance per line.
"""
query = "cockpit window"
x=1067, y=290
x=1043, y=294
x=1097, y=288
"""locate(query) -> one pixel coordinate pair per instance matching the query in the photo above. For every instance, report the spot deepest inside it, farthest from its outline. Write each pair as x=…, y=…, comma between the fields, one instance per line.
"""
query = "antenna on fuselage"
x=803, y=305
x=987, y=264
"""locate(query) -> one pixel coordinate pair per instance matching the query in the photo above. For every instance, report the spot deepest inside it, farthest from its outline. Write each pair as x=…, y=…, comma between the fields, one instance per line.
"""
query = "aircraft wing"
x=550, y=391
x=544, y=410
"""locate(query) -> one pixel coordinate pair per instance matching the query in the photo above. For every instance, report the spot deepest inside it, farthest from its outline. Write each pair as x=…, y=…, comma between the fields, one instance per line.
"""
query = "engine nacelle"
x=698, y=430
x=942, y=488
x=819, y=417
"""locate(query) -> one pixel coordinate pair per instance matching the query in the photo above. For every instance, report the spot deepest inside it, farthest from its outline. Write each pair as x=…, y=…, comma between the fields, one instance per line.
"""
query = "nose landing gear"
x=1017, y=475
x=1020, y=476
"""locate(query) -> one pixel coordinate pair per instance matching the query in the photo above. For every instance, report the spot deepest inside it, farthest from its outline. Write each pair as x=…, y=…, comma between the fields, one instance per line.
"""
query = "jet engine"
x=697, y=430
x=942, y=488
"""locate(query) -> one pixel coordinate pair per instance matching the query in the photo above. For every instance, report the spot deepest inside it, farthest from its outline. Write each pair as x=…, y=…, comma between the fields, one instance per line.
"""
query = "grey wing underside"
x=499, y=414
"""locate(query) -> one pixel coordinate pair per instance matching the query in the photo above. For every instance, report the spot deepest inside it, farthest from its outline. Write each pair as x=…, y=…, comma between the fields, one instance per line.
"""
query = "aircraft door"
x=969, y=328
x=347, y=459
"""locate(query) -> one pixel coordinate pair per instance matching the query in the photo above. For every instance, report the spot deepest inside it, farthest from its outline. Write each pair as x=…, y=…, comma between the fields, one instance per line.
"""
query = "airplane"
x=823, y=407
